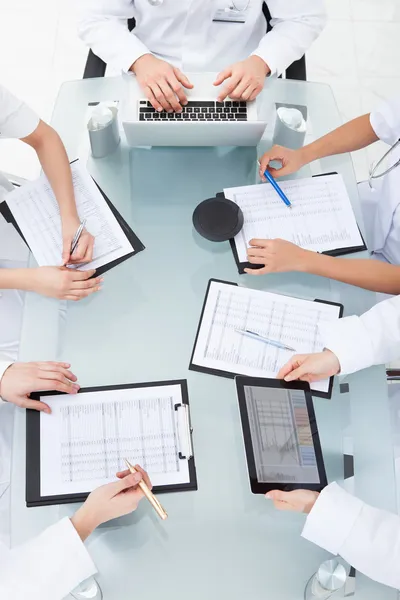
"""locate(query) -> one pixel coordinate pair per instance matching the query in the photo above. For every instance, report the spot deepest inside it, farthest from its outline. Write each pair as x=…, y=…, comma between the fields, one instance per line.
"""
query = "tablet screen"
x=281, y=435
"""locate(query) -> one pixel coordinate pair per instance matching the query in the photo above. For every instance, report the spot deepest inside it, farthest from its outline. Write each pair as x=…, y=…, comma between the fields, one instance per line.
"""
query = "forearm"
x=54, y=160
x=351, y=136
x=16, y=279
x=84, y=523
x=369, y=274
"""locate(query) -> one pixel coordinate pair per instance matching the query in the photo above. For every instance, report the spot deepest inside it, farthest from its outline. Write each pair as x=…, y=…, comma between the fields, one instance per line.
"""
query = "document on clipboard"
x=83, y=443
x=321, y=218
x=34, y=211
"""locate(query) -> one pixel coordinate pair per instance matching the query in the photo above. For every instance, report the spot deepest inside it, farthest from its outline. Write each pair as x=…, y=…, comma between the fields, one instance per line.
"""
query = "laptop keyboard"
x=197, y=110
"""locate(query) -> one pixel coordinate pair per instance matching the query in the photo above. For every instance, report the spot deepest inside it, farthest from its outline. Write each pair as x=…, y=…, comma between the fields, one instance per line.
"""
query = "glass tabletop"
x=220, y=541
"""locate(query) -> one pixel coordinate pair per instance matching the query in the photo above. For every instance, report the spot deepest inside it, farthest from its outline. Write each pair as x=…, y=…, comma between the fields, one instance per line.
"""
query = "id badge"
x=233, y=13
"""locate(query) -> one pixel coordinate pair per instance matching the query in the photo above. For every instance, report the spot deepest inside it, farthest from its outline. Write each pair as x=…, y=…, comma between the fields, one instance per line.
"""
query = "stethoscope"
x=375, y=167
x=232, y=7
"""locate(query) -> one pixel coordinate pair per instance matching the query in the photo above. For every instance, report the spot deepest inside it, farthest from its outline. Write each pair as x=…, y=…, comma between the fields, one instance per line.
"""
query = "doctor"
x=380, y=201
x=367, y=538
x=172, y=38
x=64, y=562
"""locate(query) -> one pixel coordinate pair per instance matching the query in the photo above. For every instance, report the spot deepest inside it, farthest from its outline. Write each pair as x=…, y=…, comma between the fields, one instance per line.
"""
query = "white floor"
x=357, y=55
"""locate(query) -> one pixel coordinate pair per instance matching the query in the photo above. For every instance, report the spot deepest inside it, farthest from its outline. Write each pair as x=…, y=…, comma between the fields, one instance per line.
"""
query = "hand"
x=298, y=500
x=246, y=79
x=277, y=256
x=63, y=283
x=110, y=501
x=292, y=161
x=21, y=379
x=161, y=82
x=83, y=253
x=310, y=367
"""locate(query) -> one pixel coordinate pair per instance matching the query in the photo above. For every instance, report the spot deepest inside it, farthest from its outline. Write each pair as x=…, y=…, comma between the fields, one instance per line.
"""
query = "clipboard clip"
x=185, y=431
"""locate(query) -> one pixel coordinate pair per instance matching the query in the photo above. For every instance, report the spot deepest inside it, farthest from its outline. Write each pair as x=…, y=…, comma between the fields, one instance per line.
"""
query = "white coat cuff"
x=346, y=338
x=131, y=55
x=64, y=543
x=3, y=368
x=332, y=518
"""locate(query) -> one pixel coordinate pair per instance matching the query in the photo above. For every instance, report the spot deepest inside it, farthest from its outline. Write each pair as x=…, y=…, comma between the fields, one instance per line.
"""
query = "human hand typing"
x=21, y=379
x=246, y=79
x=161, y=83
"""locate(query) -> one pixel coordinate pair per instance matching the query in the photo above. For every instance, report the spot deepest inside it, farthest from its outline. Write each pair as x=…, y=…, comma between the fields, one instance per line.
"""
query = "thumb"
x=181, y=77
x=223, y=75
x=127, y=482
x=276, y=496
x=298, y=373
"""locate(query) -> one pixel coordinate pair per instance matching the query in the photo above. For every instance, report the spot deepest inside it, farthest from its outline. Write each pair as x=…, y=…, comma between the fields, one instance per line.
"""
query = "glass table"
x=220, y=541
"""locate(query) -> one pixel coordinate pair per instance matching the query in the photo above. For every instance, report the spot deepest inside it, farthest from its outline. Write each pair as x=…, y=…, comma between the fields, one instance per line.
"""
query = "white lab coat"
x=46, y=568
x=183, y=33
x=367, y=538
x=380, y=205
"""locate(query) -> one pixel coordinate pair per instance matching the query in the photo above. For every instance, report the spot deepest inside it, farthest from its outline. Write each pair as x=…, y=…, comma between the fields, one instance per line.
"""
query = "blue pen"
x=261, y=338
x=276, y=187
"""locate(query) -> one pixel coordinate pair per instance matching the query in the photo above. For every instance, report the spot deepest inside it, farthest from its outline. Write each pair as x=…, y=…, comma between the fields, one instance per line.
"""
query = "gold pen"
x=149, y=495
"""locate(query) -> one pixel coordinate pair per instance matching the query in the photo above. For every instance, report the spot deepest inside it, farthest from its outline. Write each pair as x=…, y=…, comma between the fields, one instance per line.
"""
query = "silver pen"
x=77, y=236
x=261, y=338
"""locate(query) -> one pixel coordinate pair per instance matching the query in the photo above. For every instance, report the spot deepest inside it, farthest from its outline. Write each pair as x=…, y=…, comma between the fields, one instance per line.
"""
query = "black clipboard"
x=232, y=375
x=135, y=242
x=338, y=252
x=261, y=487
x=33, y=495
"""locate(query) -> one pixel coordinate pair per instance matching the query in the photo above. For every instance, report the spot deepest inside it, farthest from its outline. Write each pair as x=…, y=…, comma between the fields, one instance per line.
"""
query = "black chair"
x=96, y=67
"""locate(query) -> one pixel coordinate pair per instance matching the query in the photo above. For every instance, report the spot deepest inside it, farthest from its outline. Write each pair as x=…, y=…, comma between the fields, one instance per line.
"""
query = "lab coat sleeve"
x=367, y=538
x=296, y=24
x=46, y=568
x=360, y=342
x=3, y=368
x=385, y=121
x=102, y=25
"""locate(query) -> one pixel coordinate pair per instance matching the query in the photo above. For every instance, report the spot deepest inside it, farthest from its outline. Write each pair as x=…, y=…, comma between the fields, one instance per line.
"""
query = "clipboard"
x=335, y=252
x=231, y=374
x=135, y=242
x=33, y=495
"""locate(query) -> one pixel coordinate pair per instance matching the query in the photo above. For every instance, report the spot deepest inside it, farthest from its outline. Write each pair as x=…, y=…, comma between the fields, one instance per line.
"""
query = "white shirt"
x=367, y=538
x=46, y=568
x=49, y=566
x=381, y=204
x=17, y=120
x=183, y=32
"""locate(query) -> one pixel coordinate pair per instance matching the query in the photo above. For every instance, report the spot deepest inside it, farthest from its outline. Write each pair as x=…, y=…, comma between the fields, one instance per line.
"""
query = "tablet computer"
x=280, y=435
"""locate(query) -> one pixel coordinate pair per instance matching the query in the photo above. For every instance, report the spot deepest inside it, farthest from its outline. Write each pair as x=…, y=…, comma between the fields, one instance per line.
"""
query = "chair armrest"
x=95, y=67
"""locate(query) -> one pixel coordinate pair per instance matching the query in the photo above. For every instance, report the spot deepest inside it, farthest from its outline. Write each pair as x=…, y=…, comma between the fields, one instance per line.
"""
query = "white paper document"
x=290, y=321
x=84, y=441
x=35, y=208
x=321, y=217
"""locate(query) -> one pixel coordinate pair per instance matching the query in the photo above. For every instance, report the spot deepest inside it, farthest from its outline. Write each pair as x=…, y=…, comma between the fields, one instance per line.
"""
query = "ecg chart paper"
x=84, y=441
x=321, y=217
x=292, y=321
x=34, y=207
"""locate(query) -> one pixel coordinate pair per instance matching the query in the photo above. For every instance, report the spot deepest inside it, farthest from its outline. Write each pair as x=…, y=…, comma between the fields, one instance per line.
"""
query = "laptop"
x=203, y=121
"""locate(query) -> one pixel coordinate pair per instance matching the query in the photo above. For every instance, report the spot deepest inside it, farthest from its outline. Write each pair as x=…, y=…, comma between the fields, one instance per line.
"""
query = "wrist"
x=262, y=62
x=133, y=66
x=84, y=523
